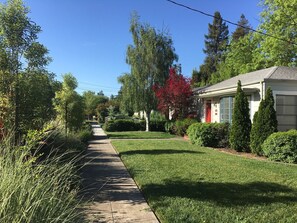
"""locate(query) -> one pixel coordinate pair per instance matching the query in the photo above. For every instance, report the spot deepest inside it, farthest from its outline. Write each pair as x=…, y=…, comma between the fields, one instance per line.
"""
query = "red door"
x=208, y=112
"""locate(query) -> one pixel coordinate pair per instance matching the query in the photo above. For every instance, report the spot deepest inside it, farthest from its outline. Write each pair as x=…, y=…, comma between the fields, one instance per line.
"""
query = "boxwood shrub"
x=281, y=146
x=209, y=134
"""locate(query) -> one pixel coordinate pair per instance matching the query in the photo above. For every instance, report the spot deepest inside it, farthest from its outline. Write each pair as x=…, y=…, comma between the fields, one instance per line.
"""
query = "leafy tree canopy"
x=150, y=57
x=175, y=95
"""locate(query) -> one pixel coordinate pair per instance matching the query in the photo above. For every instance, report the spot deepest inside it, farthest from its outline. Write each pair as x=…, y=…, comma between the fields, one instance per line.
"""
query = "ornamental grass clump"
x=36, y=191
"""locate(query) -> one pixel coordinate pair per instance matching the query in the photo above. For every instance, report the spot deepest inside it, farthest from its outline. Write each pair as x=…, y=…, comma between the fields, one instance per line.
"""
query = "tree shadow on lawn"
x=223, y=194
x=158, y=152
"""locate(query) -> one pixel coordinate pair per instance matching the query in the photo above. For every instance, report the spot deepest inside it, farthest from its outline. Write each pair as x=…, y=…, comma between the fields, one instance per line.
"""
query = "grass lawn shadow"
x=158, y=152
x=223, y=194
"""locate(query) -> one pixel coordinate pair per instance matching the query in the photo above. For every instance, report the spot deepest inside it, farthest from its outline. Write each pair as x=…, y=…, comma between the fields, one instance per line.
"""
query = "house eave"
x=231, y=91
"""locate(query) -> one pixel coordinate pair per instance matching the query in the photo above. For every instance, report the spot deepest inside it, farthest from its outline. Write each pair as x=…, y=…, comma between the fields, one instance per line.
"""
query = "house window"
x=226, y=109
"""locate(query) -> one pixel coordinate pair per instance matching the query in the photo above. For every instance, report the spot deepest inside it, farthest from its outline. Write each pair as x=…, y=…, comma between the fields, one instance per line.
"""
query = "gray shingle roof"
x=272, y=73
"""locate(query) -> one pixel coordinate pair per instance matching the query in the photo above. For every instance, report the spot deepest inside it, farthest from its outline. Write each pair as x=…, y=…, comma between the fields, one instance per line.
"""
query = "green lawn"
x=185, y=183
x=139, y=135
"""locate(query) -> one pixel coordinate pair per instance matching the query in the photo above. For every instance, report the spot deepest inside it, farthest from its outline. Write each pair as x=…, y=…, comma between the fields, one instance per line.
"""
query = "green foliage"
x=281, y=146
x=255, y=51
x=155, y=125
x=239, y=59
x=92, y=101
x=120, y=125
x=150, y=57
x=36, y=94
x=37, y=191
x=85, y=134
x=209, y=134
x=179, y=127
x=279, y=20
x=157, y=116
x=264, y=122
x=241, y=123
x=18, y=35
x=69, y=104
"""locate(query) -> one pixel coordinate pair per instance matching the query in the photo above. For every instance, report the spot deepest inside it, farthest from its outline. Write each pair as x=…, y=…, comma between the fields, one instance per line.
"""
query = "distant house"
x=217, y=100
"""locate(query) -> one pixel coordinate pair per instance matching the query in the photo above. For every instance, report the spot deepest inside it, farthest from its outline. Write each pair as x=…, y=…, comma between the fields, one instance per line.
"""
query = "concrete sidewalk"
x=113, y=193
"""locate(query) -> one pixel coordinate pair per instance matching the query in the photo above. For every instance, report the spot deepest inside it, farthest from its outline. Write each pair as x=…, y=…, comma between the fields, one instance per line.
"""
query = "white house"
x=217, y=100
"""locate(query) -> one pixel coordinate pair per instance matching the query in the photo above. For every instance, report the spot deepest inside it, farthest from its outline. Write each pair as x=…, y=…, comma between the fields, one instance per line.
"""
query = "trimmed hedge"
x=281, y=146
x=122, y=125
x=209, y=134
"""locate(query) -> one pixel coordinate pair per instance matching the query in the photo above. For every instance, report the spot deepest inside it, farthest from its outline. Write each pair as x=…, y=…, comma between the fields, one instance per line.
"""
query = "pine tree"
x=242, y=29
x=216, y=42
x=241, y=123
x=264, y=122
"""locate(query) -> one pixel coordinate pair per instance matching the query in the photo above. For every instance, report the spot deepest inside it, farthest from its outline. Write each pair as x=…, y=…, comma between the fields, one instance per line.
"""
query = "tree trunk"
x=147, y=120
x=16, y=111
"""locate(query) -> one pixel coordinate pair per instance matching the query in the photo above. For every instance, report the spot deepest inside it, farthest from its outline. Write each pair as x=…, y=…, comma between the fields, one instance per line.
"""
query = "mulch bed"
x=247, y=155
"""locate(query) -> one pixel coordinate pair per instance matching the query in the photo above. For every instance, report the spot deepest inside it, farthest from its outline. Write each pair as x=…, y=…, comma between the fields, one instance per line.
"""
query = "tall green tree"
x=216, y=42
x=279, y=19
x=69, y=104
x=92, y=100
x=242, y=29
x=264, y=122
x=150, y=57
x=241, y=123
x=126, y=93
x=240, y=58
x=17, y=35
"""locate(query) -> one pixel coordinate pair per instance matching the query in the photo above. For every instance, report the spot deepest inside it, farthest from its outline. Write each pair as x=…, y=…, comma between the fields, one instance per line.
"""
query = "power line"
x=230, y=22
x=109, y=91
x=96, y=85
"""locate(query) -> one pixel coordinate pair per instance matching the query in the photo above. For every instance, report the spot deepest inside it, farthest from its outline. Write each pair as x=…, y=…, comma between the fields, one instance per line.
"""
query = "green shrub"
x=155, y=125
x=209, y=134
x=169, y=127
x=181, y=126
x=86, y=133
x=121, y=125
x=281, y=146
x=241, y=123
x=264, y=122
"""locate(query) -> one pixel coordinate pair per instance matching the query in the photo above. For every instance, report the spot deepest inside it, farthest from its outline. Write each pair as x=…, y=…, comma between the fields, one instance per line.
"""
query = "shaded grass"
x=186, y=183
x=139, y=135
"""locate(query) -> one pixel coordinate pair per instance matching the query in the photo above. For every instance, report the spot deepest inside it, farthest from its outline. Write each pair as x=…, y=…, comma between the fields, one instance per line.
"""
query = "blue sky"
x=89, y=38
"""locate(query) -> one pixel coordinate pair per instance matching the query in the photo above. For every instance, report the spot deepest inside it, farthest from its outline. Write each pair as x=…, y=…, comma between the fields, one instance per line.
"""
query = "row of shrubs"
x=178, y=127
x=121, y=125
x=279, y=146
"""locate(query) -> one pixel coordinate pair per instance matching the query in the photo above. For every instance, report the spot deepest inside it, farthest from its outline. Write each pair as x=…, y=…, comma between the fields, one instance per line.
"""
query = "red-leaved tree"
x=175, y=96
